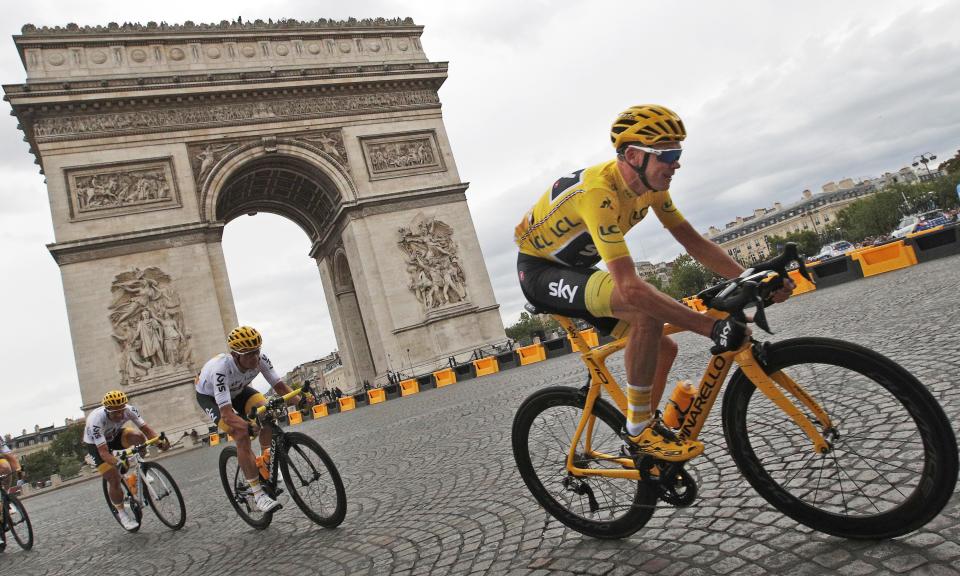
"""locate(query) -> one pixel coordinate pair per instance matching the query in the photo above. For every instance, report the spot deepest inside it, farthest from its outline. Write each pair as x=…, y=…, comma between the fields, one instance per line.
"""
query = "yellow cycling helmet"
x=243, y=339
x=114, y=400
x=646, y=124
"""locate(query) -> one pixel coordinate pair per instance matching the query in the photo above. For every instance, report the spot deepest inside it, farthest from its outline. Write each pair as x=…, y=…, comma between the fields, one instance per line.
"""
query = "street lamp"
x=924, y=159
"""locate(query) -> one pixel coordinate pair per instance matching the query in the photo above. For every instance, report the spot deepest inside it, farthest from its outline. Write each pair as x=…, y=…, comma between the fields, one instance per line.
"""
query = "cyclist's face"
x=248, y=361
x=659, y=174
x=115, y=415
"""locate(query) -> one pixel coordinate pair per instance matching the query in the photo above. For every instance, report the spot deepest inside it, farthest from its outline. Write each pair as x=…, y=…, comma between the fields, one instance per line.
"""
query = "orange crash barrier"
x=408, y=387
x=347, y=403
x=879, y=259
x=531, y=354
x=445, y=377
x=803, y=285
x=695, y=303
x=294, y=416
x=376, y=396
x=488, y=365
x=319, y=410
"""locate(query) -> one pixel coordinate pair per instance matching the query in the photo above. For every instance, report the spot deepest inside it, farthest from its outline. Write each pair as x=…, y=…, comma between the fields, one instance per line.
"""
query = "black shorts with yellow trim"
x=242, y=404
x=119, y=442
x=582, y=293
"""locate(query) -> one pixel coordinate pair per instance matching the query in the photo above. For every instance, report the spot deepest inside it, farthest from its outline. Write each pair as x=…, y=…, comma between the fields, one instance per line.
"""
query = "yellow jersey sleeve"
x=600, y=210
x=666, y=211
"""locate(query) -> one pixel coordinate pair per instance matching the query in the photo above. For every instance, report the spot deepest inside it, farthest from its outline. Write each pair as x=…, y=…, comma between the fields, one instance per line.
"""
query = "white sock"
x=638, y=408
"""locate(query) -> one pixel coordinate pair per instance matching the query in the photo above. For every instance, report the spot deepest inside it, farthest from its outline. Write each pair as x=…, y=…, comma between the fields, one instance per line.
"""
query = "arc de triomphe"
x=154, y=137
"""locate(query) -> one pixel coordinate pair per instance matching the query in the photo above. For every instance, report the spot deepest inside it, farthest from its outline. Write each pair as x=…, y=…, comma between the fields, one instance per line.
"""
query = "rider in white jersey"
x=105, y=430
x=225, y=394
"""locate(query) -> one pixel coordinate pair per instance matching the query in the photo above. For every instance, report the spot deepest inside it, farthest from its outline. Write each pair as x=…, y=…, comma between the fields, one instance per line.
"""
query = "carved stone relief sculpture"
x=433, y=263
x=114, y=189
x=402, y=155
x=99, y=124
x=148, y=326
x=330, y=141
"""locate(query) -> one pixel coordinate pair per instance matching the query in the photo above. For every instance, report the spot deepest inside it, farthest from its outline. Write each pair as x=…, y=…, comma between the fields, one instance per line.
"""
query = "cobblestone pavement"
x=433, y=488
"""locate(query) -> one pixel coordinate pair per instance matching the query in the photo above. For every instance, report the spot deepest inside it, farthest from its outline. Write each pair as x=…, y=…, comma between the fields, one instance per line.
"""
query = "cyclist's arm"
x=282, y=388
x=704, y=251
x=232, y=419
x=106, y=455
x=628, y=287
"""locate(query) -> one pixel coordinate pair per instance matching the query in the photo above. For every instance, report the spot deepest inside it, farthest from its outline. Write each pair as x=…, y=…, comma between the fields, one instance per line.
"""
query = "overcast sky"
x=777, y=96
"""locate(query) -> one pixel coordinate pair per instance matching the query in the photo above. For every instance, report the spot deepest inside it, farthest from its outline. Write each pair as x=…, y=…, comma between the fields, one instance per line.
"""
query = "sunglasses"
x=667, y=156
x=250, y=354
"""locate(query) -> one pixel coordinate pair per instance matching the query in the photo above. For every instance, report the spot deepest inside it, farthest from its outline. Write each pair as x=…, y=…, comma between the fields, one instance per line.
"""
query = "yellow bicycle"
x=839, y=437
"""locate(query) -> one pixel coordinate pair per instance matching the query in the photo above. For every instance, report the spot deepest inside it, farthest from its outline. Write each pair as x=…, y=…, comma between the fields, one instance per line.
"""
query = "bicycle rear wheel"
x=18, y=523
x=128, y=501
x=313, y=480
x=894, y=461
x=164, y=496
x=238, y=491
x=597, y=506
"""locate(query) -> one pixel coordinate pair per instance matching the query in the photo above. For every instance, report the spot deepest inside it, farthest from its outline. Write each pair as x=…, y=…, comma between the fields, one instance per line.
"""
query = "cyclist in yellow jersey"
x=582, y=220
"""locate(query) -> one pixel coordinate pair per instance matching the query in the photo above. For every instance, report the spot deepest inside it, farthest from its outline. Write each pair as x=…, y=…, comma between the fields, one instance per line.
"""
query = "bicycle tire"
x=874, y=391
x=310, y=473
x=129, y=501
x=633, y=514
x=164, y=486
x=21, y=520
x=235, y=485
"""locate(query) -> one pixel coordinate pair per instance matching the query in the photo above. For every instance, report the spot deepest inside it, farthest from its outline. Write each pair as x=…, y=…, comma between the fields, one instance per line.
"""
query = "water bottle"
x=131, y=480
x=679, y=403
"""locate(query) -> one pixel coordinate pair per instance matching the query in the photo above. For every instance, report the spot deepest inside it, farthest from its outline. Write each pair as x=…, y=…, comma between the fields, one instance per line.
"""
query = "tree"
x=527, y=326
x=40, y=465
x=69, y=442
x=68, y=467
x=807, y=241
x=688, y=277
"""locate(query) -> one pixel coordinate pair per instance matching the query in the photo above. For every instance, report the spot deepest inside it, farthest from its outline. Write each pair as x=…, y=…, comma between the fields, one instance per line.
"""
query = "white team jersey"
x=101, y=429
x=223, y=379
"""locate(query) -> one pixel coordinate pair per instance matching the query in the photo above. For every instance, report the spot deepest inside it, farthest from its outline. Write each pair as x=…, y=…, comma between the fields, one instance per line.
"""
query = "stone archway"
x=154, y=137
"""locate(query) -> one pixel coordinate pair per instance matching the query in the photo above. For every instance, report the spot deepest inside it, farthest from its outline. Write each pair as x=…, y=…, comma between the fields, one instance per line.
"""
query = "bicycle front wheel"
x=239, y=492
x=597, y=506
x=313, y=480
x=128, y=501
x=18, y=522
x=164, y=496
x=893, y=465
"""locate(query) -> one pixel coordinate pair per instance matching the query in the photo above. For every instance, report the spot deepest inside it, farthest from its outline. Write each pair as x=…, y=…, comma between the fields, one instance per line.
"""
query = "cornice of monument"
x=238, y=25
x=133, y=242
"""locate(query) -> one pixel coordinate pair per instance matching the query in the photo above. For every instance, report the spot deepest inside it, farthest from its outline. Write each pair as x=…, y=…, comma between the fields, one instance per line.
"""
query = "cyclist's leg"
x=131, y=437
x=245, y=457
x=108, y=472
x=252, y=399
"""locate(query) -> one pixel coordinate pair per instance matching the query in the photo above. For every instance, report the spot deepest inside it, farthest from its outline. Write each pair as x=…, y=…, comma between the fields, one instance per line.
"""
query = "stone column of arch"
x=153, y=138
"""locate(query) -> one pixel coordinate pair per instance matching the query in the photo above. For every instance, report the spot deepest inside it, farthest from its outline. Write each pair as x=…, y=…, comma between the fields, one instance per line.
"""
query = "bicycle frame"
x=130, y=458
x=710, y=385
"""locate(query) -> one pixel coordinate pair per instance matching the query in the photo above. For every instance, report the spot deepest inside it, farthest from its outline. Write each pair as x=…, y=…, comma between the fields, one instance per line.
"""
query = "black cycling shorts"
x=242, y=404
x=572, y=292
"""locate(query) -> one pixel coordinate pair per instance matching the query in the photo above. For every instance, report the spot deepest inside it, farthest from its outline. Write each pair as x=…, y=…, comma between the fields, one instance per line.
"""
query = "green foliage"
x=808, y=242
x=525, y=328
x=40, y=465
x=69, y=443
x=878, y=215
x=68, y=467
x=688, y=277
x=656, y=282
